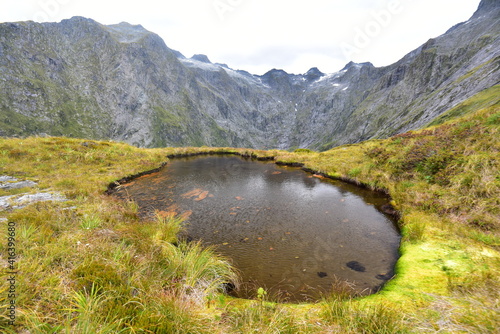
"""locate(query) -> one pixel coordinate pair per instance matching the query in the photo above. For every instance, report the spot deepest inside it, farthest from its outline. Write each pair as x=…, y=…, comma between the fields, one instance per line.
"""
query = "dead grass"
x=90, y=265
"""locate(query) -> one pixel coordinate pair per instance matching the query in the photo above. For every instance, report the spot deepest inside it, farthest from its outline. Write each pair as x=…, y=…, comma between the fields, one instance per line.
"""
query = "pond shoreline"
x=191, y=189
x=387, y=208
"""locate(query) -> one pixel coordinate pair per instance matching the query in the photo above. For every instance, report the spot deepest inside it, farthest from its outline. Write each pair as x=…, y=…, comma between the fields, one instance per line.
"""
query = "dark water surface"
x=284, y=229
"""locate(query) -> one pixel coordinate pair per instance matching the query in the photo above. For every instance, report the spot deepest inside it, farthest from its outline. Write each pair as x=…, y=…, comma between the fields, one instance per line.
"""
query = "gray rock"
x=202, y=58
x=38, y=197
x=6, y=178
x=20, y=201
x=17, y=185
x=5, y=202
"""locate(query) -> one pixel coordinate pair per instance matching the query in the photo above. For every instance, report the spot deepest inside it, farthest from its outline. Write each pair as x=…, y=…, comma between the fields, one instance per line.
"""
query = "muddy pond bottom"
x=297, y=235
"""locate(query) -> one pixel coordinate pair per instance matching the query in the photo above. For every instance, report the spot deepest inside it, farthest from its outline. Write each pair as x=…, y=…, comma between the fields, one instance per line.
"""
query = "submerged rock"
x=356, y=266
x=389, y=209
x=322, y=274
x=383, y=277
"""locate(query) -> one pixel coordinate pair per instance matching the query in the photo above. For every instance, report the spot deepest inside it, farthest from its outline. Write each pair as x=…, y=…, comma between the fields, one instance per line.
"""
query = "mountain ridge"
x=84, y=79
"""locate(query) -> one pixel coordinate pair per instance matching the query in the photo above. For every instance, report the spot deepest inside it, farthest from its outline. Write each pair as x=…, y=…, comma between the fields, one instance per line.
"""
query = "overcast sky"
x=258, y=35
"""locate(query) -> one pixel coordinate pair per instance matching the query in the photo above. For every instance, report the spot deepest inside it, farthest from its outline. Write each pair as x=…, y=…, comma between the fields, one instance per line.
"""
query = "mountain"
x=83, y=79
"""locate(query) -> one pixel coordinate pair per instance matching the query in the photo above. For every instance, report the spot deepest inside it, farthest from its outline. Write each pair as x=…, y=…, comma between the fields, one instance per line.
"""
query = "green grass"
x=354, y=317
x=90, y=265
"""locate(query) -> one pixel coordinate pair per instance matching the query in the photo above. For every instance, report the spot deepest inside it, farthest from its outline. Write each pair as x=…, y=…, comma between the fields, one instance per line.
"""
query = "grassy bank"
x=89, y=265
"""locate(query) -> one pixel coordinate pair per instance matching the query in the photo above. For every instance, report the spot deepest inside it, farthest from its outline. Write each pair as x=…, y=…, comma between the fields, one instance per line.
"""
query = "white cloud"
x=258, y=35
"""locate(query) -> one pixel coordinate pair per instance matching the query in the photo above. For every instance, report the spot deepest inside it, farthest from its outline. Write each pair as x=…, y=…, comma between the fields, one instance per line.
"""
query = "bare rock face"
x=83, y=79
x=18, y=201
x=16, y=184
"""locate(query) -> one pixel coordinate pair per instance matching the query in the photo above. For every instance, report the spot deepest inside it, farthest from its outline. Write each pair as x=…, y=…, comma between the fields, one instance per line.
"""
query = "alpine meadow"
x=86, y=108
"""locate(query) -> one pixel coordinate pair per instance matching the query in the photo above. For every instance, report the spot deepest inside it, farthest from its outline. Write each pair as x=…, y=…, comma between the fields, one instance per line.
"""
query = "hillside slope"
x=89, y=264
x=82, y=79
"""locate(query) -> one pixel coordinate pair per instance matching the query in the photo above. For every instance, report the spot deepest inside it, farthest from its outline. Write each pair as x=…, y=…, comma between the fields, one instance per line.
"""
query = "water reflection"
x=284, y=229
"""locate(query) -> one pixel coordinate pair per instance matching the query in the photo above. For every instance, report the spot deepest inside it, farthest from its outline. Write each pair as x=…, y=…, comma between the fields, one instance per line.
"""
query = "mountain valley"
x=79, y=78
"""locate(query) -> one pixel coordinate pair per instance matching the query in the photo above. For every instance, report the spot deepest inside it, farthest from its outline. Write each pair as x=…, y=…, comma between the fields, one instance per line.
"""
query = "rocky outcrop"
x=83, y=79
x=18, y=201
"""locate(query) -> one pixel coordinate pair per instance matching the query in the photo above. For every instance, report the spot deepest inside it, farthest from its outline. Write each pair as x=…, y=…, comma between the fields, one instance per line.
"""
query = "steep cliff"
x=84, y=79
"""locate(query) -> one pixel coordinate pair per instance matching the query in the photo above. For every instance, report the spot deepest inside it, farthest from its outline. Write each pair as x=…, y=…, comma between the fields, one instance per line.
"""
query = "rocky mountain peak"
x=277, y=78
x=79, y=19
x=487, y=8
x=352, y=64
x=127, y=33
x=488, y=5
x=275, y=73
x=202, y=58
x=314, y=74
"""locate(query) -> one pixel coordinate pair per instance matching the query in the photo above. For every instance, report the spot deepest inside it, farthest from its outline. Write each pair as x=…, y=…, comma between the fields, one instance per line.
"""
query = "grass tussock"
x=90, y=265
x=349, y=316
